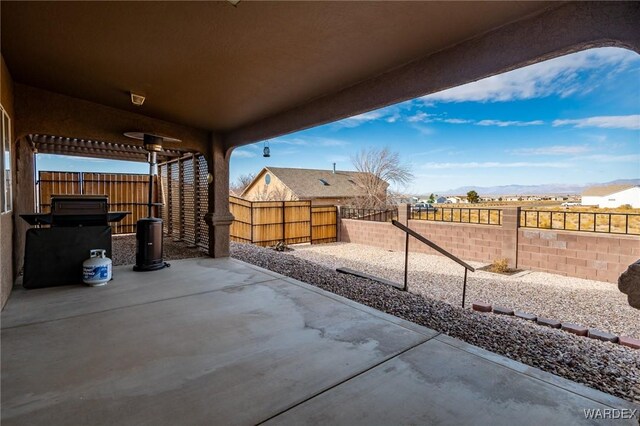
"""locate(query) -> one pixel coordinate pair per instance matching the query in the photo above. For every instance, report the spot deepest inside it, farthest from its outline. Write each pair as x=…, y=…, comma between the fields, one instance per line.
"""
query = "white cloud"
x=457, y=121
x=420, y=117
x=424, y=130
x=493, y=165
x=552, y=150
x=631, y=122
x=243, y=153
x=609, y=158
x=310, y=140
x=501, y=123
x=560, y=76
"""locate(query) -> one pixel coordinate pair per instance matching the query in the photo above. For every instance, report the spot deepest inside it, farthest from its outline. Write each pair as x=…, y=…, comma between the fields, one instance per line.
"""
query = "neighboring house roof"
x=602, y=191
x=310, y=183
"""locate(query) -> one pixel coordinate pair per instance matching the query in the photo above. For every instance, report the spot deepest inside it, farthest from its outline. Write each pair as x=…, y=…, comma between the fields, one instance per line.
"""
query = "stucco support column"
x=510, y=224
x=218, y=216
x=404, y=213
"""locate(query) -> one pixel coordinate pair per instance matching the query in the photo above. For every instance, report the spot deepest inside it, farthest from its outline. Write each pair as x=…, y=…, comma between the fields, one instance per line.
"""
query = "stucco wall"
x=258, y=190
x=6, y=219
x=23, y=199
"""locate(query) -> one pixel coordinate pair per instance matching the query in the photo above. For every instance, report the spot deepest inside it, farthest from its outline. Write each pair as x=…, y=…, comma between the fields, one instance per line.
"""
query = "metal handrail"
x=408, y=231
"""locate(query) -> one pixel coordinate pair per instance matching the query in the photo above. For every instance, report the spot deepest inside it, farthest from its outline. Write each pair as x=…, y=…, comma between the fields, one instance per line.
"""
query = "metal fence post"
x=406, y=262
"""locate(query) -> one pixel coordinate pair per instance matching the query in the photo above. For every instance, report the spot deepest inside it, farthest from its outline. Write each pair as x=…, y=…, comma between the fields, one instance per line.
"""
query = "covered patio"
x=214, y=340
x=218, y=341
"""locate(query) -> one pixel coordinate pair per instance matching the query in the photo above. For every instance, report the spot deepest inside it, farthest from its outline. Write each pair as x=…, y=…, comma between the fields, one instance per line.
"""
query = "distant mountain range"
x=547, y=189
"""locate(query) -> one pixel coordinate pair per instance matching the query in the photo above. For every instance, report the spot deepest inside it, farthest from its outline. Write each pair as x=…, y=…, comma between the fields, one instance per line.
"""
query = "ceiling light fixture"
x=266, y=152
x=137, y=99
x=234, y=2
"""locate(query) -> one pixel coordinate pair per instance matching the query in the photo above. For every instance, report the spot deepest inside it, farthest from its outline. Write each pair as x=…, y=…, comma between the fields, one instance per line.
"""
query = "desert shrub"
x=625, y=207
x=500, y=265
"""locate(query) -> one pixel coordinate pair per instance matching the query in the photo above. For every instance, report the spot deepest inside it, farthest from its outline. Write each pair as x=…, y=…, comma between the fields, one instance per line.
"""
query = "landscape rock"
x=629, y=284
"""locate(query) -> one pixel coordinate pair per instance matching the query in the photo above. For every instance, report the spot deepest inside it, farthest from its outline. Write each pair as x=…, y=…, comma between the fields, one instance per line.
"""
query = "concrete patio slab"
x=218, y=341
x=237, y=355
x=436, y=383
x=128, y=288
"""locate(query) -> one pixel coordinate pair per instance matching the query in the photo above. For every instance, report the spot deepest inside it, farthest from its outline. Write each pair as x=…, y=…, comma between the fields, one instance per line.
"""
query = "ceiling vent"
x=137, y=99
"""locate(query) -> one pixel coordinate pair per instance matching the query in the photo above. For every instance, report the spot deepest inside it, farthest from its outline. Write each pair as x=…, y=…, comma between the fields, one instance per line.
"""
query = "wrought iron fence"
x=459, y=215
x=608, y=223
x=374, y=215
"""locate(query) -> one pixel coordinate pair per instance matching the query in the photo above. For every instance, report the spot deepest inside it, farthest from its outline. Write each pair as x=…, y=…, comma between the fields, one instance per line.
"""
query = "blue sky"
x=573, y=120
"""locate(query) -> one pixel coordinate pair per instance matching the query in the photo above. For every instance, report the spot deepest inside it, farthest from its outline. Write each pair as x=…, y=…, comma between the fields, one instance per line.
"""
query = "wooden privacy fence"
x=266, y=223
x=182, y=189
x=126, y=192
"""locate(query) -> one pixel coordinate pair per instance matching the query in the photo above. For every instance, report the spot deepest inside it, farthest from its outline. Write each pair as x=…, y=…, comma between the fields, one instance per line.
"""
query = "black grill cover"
x=54, y=256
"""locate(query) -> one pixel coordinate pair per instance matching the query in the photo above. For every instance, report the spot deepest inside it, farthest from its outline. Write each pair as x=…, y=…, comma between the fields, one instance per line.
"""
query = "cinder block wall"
x=376, y=234
x=601, y=257
x=469, y=242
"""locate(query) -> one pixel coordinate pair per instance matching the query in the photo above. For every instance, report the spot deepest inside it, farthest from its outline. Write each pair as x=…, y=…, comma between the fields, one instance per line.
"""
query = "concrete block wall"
x=376, y=234
x=471, y=242
x=467, y=241
x=601, y=257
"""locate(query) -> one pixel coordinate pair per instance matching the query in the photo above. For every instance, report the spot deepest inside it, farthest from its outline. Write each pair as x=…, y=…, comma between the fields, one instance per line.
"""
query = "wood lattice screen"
x=183, y=184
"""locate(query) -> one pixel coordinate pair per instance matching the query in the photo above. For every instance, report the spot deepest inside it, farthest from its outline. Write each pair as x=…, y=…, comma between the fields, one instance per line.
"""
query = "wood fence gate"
x=126, y=192
x=266, y=223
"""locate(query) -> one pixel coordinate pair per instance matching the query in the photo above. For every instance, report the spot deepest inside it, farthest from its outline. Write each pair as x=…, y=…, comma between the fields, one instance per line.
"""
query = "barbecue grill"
x=78, y=224
x=76, y=210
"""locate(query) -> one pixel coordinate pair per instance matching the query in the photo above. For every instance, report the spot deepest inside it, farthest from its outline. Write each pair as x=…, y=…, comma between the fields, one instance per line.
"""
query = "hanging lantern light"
x=266, y=152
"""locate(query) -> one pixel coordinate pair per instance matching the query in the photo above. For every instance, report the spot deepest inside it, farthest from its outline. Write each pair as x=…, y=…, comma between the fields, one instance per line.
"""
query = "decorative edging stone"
x=502, y=311
x=602, y=335
x=525, y=316
x=576, y=329
x=629, y=342
x=569, y=327
x=548, y=322
x=481, y=307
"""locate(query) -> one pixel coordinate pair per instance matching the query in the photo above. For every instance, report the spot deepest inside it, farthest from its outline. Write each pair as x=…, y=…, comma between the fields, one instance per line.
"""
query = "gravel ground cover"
x=605, y=366
x=123, y=250
x=593, y=304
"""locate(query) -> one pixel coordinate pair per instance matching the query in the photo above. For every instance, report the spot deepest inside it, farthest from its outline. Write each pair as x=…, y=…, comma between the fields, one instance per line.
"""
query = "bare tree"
x=379, y=167
x=273, y=194
x=241, y=183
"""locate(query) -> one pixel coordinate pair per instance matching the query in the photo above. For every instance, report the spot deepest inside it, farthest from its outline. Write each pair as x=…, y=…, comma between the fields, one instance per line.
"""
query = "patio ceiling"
x=213, y=66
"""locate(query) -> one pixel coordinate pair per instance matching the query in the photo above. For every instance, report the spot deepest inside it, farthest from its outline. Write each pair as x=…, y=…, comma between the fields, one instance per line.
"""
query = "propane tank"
x=96, y=270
